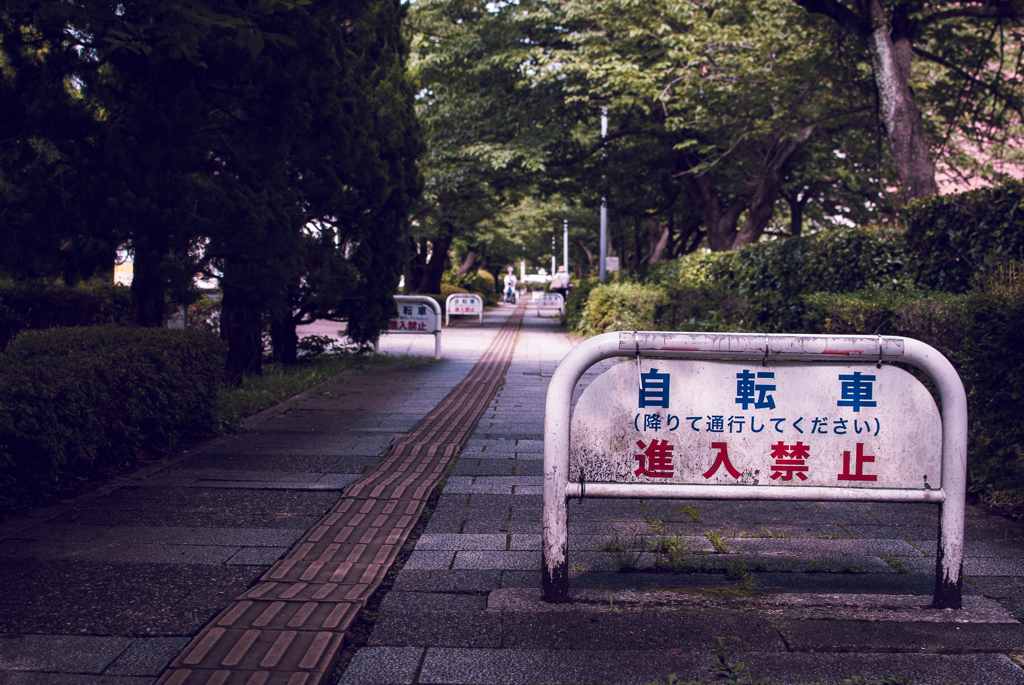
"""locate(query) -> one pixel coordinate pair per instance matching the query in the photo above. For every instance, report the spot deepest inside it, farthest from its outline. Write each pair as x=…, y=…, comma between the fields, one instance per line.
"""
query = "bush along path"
x=290, y=626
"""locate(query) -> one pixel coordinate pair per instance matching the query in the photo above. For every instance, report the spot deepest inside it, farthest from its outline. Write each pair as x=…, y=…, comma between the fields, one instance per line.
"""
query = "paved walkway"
x=239, y=553
x=804, y=592
x=111, y=587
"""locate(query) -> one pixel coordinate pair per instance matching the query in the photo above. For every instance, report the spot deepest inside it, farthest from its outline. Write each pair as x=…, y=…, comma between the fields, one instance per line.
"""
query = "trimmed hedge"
x=74, y=400
x=980, y=332
x=771, y=277
x=756, y=288
x=951, y=238
x=576, y=301
x=621, y=306
x=40, y=305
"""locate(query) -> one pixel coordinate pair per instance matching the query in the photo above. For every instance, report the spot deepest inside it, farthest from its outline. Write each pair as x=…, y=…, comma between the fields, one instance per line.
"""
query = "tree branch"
x=991, y=87
x=975, y=11
x=838, y=12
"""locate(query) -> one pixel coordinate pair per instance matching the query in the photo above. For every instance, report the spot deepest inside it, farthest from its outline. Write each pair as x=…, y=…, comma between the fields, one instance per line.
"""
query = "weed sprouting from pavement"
x=691, y=512
x=894, y=562
x=625, y=555
x=715, y=538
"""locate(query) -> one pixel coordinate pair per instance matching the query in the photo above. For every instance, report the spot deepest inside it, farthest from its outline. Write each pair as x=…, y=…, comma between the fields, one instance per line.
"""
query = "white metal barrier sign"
x=459, y=304
x=787, y=425
x=755, y=416
x=550, y=304
x=418, y=314
x=415, y=317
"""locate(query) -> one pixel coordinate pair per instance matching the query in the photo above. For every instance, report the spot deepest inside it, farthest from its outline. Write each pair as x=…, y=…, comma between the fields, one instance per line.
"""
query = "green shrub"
x=480, y=281
x=576, y=301
x=622, y=306
x=74, y=400
x=953, y=237
x=41, y=304
x=980, y=333
x=771, y=277
x=486, y=286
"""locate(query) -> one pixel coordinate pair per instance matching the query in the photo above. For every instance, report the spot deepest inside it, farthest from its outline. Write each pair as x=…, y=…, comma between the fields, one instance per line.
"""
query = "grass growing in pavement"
x=279, y=382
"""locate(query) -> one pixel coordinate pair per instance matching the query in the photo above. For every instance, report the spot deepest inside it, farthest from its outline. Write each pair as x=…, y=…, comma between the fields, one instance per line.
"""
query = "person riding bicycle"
x=510, y=286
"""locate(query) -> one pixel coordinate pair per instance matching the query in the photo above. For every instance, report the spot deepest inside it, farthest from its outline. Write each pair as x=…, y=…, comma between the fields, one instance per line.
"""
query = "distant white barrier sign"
x=464, y=304
x=550, y=304
x=756, y=417
x=418, y=314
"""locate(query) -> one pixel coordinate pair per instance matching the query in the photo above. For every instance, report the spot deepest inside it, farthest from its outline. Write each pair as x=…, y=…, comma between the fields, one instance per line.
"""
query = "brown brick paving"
x=289, y=628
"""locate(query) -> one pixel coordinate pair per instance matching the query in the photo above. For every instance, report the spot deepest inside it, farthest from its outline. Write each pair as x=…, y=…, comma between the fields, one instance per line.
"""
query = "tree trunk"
x=434, y=269
x=147, y=281
x=658, y=236
x=890, y=61
x=467, y=263
x=759, y=213
x=590, y=256
x=637, y=256
x=768, y=186
x=413, y=266
x=284, y=339
x=240, y=321
x=720, y=224
x=900, y=115
x=797, y=201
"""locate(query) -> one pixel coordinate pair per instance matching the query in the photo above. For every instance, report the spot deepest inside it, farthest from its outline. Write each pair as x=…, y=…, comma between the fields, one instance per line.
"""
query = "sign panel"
x=415, y=318
x=741, y=423
x=550, y=303
x=467, y=304
x=611, y=263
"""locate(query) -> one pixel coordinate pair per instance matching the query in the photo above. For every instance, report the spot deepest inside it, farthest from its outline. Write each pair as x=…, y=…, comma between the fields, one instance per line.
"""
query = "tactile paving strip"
x=289, y=628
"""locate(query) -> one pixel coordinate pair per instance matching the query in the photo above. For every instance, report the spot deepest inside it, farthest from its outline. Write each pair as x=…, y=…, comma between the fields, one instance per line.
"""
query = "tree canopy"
x=727, y=120
x=273, y=148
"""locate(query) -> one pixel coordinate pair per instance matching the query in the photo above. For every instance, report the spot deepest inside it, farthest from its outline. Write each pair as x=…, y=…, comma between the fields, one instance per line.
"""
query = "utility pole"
x=604, y=203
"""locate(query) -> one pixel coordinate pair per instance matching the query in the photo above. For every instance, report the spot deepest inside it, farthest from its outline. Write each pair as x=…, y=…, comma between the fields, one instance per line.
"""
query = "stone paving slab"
x=438, y=628
x=93, y=598
x=384, y=666
x=446, y=666
x=912, y=638
x=146, y=656
x=433, y=601
x=792, y=606
x=66, y=653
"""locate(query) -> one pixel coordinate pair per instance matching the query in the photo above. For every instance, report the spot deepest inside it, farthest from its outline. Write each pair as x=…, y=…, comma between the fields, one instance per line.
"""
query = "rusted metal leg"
x=554, y=580
x=949, y=563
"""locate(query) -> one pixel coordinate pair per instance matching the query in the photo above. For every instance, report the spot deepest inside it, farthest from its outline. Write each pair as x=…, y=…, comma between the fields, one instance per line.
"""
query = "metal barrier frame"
x=561, y=306
x=447, y=306
x=558, y=488
x=432, y=303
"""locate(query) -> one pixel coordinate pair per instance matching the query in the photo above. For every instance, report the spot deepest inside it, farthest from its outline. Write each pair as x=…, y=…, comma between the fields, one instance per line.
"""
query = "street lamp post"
x=604, y=204
x=565, y=245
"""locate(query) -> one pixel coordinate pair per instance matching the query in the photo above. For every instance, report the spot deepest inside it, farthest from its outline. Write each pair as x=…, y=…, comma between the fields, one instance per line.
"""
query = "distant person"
x=560, y=283
x=510, y=286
